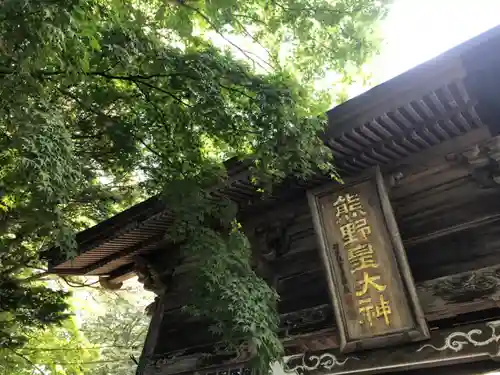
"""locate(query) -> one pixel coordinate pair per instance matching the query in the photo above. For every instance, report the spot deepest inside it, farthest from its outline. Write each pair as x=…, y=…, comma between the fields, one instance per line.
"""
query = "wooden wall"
x=449, y=219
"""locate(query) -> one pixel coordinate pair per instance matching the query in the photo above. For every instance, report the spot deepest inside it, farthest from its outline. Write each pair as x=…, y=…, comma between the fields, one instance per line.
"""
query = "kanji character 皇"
x=361, y=257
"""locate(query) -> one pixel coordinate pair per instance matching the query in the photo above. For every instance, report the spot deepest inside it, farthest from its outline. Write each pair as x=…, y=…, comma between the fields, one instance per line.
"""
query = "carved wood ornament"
x=459, y=345
x=484, y=162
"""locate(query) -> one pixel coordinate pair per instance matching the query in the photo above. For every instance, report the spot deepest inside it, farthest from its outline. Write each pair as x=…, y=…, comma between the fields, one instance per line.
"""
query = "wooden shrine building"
x=397, y=270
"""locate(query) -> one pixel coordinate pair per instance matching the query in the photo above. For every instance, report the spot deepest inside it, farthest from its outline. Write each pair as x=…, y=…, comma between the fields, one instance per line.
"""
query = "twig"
x=134, y=76
x=76, y=284
x=236, y=90
x=29, y=361
x=246, y=16
x=41, y=349
x=156, y=108
x=34, y=277
x=254, y=39
x=153, y=151
x=165, y=92
x=305, y=8
x=202, y=15
x=138, y=79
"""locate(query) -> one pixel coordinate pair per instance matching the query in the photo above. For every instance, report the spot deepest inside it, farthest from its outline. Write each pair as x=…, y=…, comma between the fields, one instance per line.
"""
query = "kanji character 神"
x=369, y=311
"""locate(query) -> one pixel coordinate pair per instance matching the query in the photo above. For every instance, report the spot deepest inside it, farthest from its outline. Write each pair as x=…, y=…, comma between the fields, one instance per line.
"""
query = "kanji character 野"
x=356, y=231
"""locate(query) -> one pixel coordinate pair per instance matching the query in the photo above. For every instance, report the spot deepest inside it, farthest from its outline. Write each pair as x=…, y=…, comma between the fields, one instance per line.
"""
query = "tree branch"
x=207, y=19
x=236, y=90
x=28, y=360
x=134, y=76
x=76, y=284
x=34, y=277
x=158, y=111
x=98, y=113
x=246, y=16
x=137, y=79
x=104, y=74
x=147, y=84
x=253, y=38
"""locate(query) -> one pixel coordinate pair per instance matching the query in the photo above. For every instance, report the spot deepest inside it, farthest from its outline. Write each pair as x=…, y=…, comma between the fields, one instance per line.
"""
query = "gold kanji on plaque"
x=348, y=207
x=370, y=311
x=361, y=257
x=367, y=282
x=355, y=231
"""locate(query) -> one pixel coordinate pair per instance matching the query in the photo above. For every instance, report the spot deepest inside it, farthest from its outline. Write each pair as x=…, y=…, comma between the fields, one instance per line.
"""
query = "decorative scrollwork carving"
x=306, y=317
x=468, y=286
x=484, y=162
x=272, y=239
x=457, y=341
x=190, y=360
x=148, y=275
x=303, y=363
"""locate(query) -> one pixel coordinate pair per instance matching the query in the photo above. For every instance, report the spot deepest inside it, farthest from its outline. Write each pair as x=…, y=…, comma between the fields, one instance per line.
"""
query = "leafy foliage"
x=117, y=329
x=308, y=36
x=58, y=350
x=26, y=309
x=104, y=101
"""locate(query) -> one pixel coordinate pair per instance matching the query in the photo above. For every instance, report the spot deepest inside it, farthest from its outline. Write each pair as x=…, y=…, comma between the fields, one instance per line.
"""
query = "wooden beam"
x=460, y=293
x=441, y=298
x=433, y=156
x=471, y=224
x=469, y=343
x=151, y=337
x=121, y=274
x=156, y=239
x=118, y=224
x=379, y=148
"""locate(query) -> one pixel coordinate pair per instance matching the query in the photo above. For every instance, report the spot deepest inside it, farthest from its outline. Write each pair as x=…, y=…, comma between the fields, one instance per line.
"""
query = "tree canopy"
x=105, y=338
x=118, y=328
x=106, y=101
x=60, y=350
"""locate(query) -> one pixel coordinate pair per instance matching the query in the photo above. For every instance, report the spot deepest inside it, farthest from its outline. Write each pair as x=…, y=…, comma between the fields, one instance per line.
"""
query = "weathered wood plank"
x=152, y=336
x=433, y=156
x=419, y=218
x=460, y=293
x=468, y=343
x=441, y=298
x=455, y=253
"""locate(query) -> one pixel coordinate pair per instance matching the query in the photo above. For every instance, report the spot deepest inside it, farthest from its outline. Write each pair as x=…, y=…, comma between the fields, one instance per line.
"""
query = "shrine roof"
x=443, y=98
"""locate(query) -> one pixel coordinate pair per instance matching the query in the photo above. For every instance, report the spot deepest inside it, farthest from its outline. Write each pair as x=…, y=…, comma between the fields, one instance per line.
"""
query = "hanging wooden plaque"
x=372, y=290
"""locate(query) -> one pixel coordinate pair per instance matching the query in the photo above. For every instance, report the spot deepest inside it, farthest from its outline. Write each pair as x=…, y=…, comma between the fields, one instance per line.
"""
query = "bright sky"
x=414, y=32
x=417, y=30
